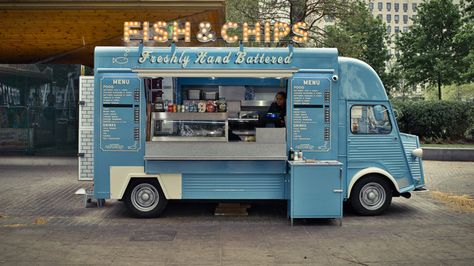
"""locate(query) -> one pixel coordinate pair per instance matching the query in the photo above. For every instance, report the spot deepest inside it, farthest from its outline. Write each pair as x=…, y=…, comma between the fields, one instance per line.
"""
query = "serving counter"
x=204, y=136
x=172, y=150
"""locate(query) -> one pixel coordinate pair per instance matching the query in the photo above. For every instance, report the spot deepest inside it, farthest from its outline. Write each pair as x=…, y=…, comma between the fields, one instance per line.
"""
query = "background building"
x=398, y=15
x=43, y=45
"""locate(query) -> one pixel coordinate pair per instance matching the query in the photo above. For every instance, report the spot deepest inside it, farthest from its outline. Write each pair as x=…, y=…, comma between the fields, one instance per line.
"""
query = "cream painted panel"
x=172, y=183
x=120, y=176
x=370, y=170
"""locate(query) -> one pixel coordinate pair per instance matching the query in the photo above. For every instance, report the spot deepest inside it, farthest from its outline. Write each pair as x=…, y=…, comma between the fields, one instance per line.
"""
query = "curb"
x=448, y=154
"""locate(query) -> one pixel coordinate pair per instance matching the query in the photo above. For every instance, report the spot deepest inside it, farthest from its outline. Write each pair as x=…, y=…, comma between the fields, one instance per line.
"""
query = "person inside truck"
x=277, y=111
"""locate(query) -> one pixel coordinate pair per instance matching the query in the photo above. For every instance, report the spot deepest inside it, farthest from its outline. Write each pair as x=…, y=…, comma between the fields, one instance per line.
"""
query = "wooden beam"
x=123, y=4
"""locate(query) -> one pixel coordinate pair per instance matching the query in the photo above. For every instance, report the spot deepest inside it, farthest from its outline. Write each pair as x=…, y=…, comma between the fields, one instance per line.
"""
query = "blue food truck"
x=175, y=123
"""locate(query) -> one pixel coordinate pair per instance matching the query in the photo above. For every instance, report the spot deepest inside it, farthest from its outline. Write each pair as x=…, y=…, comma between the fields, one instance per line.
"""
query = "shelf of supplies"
x=189, y=116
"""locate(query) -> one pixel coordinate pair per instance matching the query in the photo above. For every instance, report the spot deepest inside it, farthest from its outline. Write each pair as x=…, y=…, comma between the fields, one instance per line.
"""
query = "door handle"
x=337, y=191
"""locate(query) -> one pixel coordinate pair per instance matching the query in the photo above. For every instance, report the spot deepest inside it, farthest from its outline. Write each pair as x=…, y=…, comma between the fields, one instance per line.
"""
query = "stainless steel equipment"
x=210, y=95
x=189, y=126
x=194, y=94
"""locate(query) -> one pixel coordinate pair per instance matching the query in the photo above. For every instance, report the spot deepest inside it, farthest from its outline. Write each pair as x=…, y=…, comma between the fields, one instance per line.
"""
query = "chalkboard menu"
x=120, y=114
x=311, y=114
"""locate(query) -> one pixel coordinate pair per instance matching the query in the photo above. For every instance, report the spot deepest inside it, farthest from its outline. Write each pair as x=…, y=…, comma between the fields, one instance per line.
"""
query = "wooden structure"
x=66, y=31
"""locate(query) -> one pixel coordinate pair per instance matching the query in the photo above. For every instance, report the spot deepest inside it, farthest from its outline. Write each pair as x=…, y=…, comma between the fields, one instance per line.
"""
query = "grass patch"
x=462, y=203
x=41, y=220
x=15, y=225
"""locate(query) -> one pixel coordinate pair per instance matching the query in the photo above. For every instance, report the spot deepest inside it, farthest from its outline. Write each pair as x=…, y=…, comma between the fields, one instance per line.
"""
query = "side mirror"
x=396, y=113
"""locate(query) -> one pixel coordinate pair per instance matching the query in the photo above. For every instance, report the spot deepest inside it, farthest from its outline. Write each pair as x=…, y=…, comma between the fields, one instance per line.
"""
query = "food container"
x=250, y=138
x=210, y=95
x=221, y=105
x=210, y=106
x=194, y=94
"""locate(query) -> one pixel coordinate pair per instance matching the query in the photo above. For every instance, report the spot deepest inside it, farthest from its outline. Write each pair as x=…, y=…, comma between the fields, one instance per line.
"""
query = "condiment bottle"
x=292, y=154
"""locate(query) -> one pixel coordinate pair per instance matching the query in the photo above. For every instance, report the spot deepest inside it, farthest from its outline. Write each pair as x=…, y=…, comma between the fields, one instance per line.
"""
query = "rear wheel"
x=371, y=195
x=144, y=198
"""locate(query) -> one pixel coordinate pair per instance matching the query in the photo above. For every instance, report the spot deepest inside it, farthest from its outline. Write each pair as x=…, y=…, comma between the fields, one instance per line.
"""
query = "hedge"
x=436, y=120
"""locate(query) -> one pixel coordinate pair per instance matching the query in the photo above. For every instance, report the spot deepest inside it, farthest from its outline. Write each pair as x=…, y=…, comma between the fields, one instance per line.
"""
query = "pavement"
x=42, y=222
x=450, y=177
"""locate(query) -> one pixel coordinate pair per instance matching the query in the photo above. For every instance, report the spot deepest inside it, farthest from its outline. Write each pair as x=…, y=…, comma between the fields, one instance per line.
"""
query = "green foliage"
x=430, y=53
x=454, y=92
x=241, y=11
x=360, y=35
x=464, y=41
x=435, y=120
x=468, y=10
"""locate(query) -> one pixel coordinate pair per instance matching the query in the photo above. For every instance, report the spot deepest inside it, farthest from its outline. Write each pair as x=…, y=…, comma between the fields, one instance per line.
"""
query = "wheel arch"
x=131, y=178
x=370, y=171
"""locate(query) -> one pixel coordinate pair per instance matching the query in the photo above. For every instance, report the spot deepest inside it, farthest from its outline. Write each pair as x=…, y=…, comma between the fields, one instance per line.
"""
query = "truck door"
x=374, y=141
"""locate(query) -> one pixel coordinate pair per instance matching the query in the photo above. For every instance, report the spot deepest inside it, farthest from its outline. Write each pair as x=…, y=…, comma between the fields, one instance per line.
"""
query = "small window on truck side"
x=370, y=119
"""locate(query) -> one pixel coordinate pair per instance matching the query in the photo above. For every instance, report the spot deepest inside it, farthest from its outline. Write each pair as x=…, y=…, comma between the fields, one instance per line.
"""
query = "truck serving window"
x=370, y=119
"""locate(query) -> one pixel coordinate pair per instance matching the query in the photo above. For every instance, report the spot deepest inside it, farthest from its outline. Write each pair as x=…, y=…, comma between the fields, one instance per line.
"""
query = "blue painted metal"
x=117, y=146
x=411, y=142
x=213, y=167
x=233, y=186
x=383, y=151
x=318, y=147
x=316, y=191
x=226, y=179
x=308, y=58
x=357, y=83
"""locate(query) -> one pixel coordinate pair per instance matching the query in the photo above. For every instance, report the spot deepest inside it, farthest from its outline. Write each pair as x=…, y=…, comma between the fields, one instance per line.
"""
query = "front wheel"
x=144, y=198
x=371, y=195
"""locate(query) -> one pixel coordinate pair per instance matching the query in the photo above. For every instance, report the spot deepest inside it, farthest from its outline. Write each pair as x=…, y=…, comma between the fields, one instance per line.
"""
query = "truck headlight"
x=418, y=152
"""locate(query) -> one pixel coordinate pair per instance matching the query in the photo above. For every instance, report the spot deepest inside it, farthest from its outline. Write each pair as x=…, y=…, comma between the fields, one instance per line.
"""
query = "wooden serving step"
x=231, y=209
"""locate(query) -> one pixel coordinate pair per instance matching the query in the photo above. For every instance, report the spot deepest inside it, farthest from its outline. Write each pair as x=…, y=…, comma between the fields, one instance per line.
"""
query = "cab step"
x=421, y=189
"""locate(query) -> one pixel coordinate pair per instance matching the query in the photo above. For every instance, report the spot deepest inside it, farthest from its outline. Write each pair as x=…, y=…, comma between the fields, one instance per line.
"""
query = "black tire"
x=371, y=195
x=144, y=198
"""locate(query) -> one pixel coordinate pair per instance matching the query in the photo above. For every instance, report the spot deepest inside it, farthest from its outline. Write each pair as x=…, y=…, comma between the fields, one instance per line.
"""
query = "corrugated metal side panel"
x=233, y=186
x=378, y=149
x=410, y=142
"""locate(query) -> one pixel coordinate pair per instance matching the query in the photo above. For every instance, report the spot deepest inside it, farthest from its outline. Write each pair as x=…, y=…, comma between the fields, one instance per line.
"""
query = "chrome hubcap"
x=372, y=196
x=145, y=197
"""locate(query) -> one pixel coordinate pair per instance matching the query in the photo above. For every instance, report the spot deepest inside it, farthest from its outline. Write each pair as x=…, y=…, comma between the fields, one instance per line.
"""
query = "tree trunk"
x=297, y=11
x=439, y=87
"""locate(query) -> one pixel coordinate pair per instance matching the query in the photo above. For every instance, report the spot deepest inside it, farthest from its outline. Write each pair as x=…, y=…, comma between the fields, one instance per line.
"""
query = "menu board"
x=120, y=114
x=311, y=120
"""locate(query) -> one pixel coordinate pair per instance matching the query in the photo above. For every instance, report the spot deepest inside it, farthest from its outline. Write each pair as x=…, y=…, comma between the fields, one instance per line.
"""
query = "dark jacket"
x=281, y=110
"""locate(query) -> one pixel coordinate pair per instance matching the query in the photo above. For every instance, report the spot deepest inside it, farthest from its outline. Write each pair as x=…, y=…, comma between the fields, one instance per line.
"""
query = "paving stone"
x=420, y=230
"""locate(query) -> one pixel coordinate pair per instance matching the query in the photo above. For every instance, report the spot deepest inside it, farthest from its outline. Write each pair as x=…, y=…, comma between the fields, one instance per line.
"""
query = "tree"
x=241, y=11
x=291, y=11
x=429, y=54
x=464, y=41
x=362, y=36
